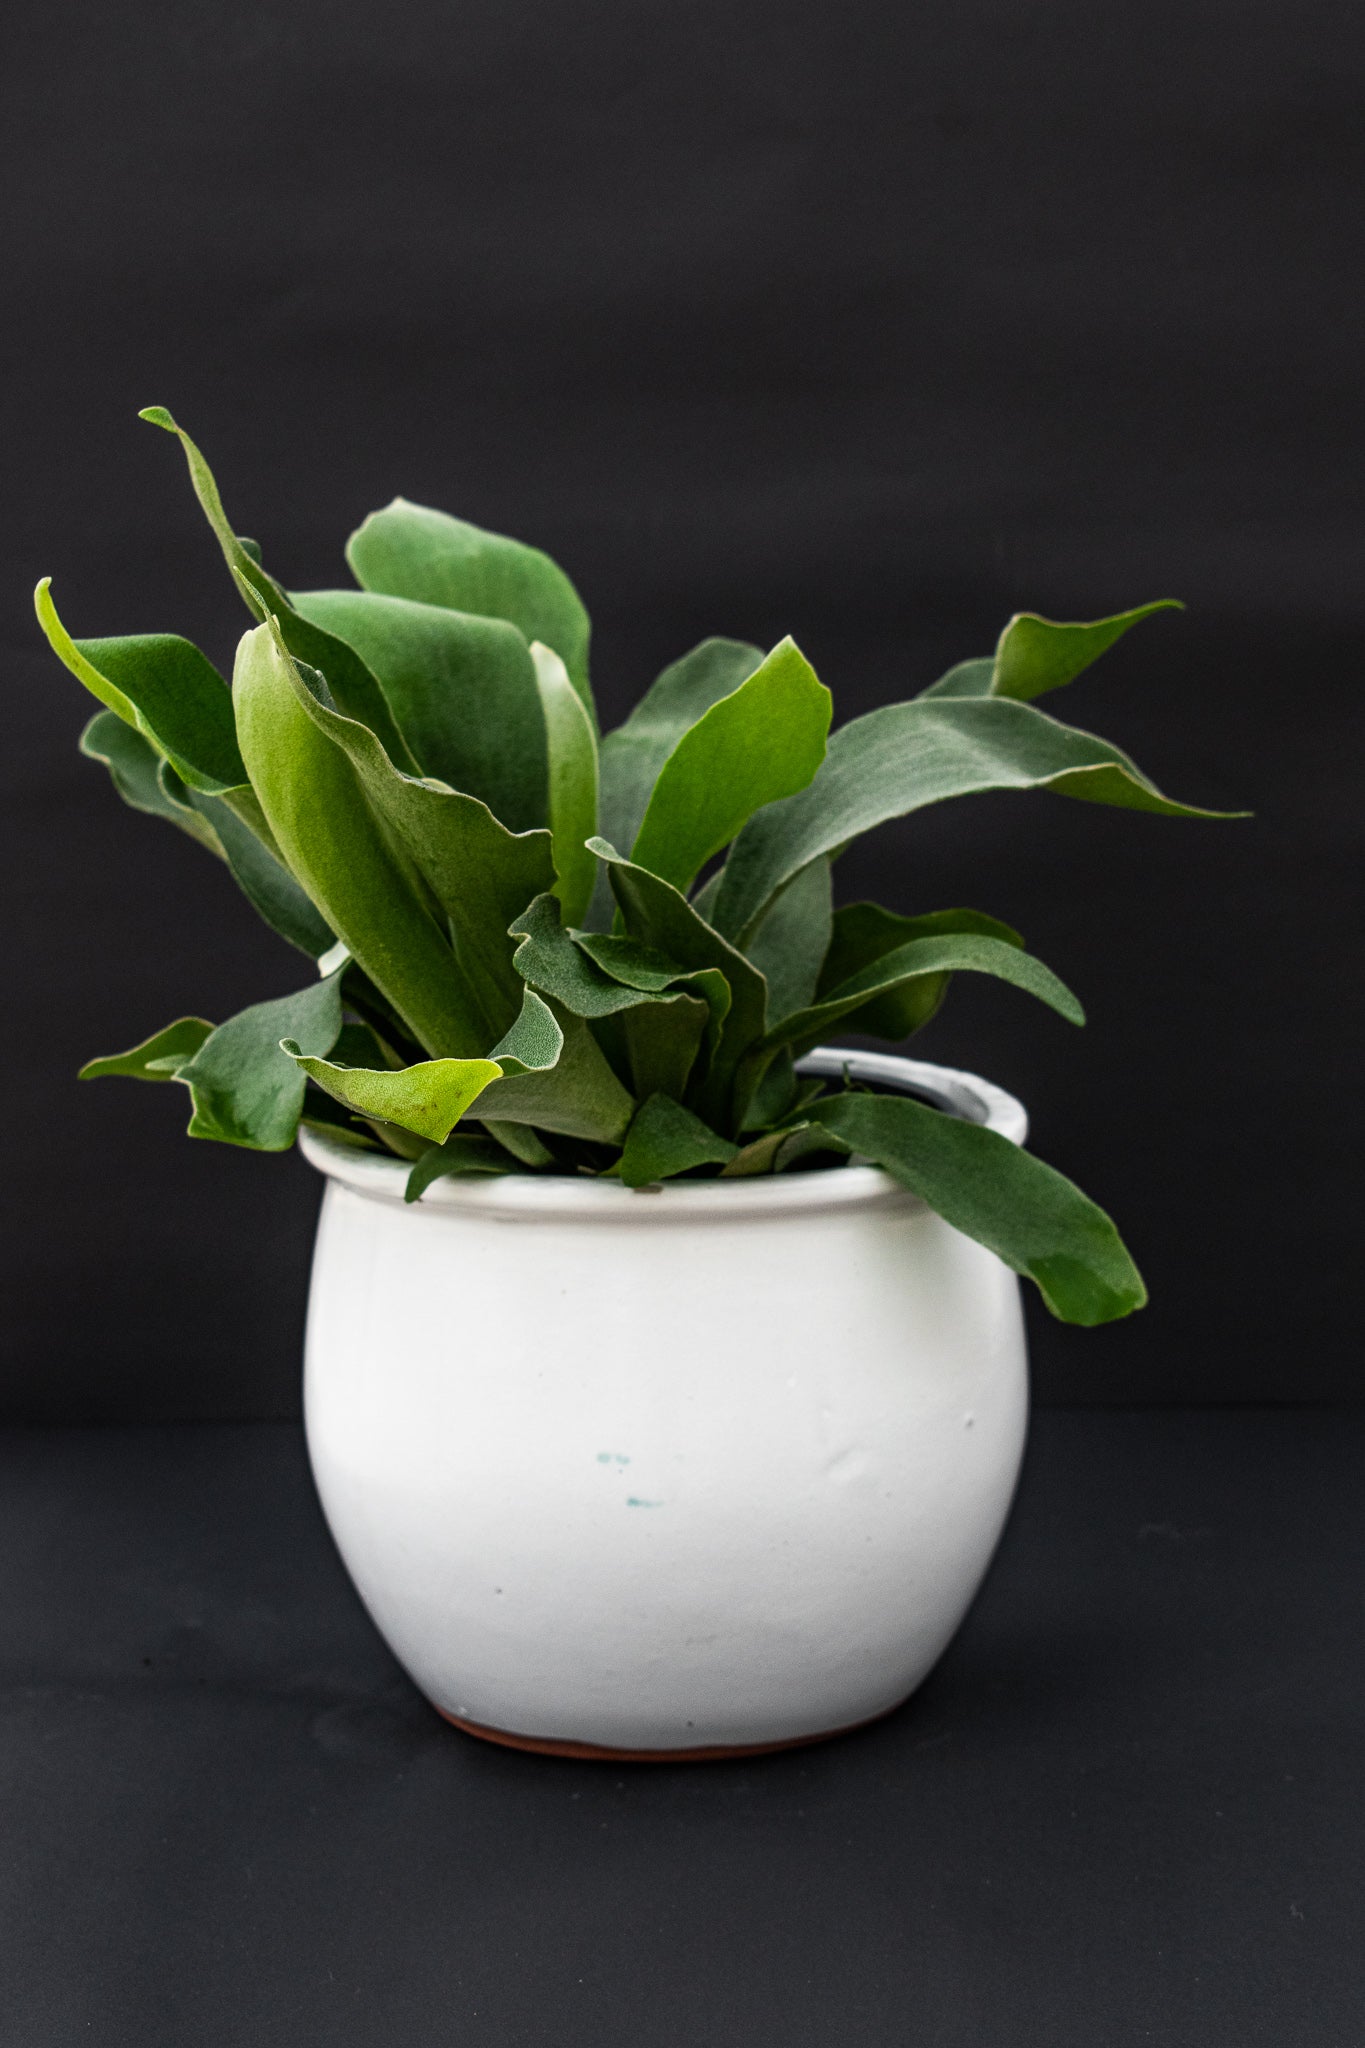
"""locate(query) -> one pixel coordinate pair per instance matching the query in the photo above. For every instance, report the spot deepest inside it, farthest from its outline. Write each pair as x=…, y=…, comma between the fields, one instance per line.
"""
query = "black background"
x=871, y=324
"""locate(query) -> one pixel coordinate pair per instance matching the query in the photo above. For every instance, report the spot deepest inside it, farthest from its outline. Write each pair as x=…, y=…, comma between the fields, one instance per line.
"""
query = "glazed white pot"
x=718, y=1466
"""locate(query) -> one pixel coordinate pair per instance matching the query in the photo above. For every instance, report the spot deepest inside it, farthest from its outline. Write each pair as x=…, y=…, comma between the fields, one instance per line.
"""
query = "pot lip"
x=529, y=1196
x=705, y=1201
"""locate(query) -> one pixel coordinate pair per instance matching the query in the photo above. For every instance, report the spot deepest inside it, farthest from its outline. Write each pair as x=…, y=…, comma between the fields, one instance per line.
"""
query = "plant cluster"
x=529, y=956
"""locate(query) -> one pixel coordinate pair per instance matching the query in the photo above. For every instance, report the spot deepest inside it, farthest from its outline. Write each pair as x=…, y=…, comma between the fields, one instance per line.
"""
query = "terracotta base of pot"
x=594, y=1752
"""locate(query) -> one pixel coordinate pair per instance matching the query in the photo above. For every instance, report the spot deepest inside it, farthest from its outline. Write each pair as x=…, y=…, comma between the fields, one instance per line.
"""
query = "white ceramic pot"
x=709, y=1468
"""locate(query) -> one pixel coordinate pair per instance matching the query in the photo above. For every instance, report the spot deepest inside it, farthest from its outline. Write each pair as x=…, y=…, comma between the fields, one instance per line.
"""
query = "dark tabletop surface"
x=1126, y=1809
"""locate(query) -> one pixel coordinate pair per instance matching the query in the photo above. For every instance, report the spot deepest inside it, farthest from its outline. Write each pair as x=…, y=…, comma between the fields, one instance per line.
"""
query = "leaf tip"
x=157, y=416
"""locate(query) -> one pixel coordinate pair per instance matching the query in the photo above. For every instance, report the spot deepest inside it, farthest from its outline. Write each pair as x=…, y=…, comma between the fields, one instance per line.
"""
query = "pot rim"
x=535, y=1196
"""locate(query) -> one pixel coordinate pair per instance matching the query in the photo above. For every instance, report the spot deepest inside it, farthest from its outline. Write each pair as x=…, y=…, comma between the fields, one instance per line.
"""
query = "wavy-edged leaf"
x=906, y=756
x=352, y=686
x=158, y=1058
x=408, y=550
x=548, y=958
x=1034, y=655
x=463, y=691
x=947, y=953
x=759, y=743
x=370, y=893
x=134, y=769
x=579, y=1098
x=460, y=1154
x=534, y=1043
x=428, y=1099
x=633, y=755
x=864, y=933
x=1029, y=1215
x=244, y=1089
x=657, y=915
x=663, y=1041
x=790, y=945
x=572, y=746
x=665, y=1139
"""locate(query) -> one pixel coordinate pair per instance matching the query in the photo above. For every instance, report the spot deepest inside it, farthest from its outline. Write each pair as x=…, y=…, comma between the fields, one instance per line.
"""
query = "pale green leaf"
x=633, y=755
x=573, y=782
x=761, y=742
x=428, y=1099
x=370, y=891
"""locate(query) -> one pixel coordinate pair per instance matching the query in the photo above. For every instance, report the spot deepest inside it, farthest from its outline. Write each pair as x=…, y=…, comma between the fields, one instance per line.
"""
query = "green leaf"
x=1030, y=1216
x=762, y=742
x=462, y=689
x=353, y=688
x=864, y=933
x=429, y=1098
x=158, y=1058
x=245, y=1090
x=948, y=953
x=790, y=944
x=657, y=915
x=315, y=772
x=459, y=1155
x=579, y=1098
x=267, y=885
x=534, y=1042
x=411, y=551
x=164, y=688
x=666, y=1139
x=1035, y=655
x=573, y=782
x=663, y=1040
x=548, y=958
x=134, y=769
x=633, y=755
x=905, y=756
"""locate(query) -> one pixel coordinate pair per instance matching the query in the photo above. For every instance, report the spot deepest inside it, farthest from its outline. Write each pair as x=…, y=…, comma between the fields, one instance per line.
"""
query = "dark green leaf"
x=134, y=769
x=905, y=756
x=267, y=885
x=666, y=1139
x=657, y=915
x=761, y=742
x=411, y=551
x=245, y=1090
x=353, y=688
x=864, y=933
x=549, y=960
x=462, y=689
x=790, y=945
x=158, y=1058
x=663, y=1041
x=459, y=1155
x=1004, y=1198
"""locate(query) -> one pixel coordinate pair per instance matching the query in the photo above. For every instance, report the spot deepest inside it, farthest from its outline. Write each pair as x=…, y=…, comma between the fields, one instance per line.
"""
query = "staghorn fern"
x=407, y=782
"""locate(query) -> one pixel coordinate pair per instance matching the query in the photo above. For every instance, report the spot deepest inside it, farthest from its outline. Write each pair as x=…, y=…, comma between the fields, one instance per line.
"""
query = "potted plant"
x=665, y=1380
